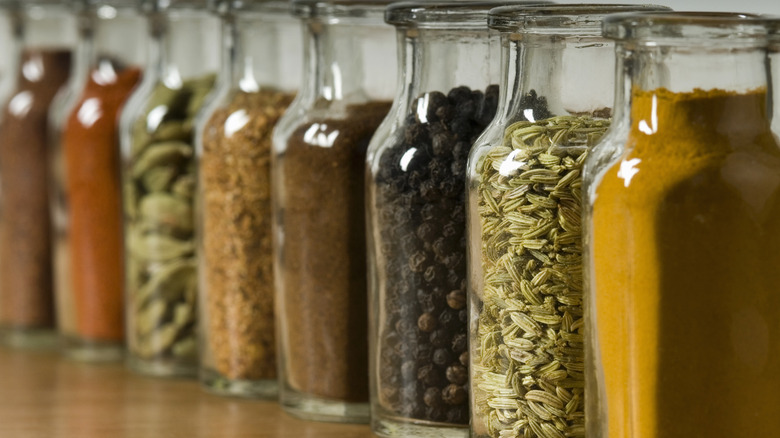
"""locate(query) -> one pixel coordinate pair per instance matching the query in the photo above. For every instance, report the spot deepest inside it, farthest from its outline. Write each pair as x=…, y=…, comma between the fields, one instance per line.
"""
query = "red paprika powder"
x=91, y=149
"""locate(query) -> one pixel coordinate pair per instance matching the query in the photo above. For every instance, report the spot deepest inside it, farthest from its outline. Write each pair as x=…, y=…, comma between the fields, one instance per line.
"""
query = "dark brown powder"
x=324, y=298
x=26, y=292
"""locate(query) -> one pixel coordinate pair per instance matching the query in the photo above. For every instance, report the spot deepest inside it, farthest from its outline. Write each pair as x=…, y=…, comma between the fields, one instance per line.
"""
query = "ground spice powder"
x=91, y=150
x=685, y=256
x=26, y=288
x=324, y=301
x=235, y=175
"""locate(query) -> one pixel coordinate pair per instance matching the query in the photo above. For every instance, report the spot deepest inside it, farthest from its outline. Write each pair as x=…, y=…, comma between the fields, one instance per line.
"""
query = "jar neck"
x=254, y=38
x=442, y=59
x=184, y=44
x=115, y=39
x=693, y=86
x=346, y=62
x=546, y=75
x=47, y=28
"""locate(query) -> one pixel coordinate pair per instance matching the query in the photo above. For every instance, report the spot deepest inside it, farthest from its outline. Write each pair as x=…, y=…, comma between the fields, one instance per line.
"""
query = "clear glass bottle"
x=260, y=74
x=10, y=25
x=523, y=201
x=448, y=94
x=319, y=151
x=158, y=182
x=682, y=226
x=85, y=194
x=45, y=35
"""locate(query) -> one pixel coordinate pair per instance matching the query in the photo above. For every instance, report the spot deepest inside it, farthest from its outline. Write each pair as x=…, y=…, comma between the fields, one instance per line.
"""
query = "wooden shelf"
x=45, y=396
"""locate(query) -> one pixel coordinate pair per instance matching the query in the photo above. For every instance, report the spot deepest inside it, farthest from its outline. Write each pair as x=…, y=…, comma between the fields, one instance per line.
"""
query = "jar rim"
x=339, y=8
x=693, y=26
x=585, y=17
x=448, y=14
x=233, y=6
x=163, y=5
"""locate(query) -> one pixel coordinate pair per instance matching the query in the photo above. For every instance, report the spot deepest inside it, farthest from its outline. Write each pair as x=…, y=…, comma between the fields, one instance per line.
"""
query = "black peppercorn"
x=426, y=322
x=464, y=358
x=429, y=191
x=459, y=343
x=426, y=232
x=432, y=397
x=454, y=394
x=439, y=338
x=434, y=274
x=429, y=376
x=420, y=201
x=457, y=415
x=417, y=261
x=435, y=414
x=456, y=299
x=441, y=357
x=448, y=319
x=459, y=94
x=441, y=144
x=457, y=374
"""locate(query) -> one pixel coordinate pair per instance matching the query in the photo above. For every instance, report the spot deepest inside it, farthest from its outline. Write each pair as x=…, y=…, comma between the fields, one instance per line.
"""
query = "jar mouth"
x=232, y=6
x=447, y=14
x=691, y=26
x=163, y=5
x=368, y=9
x=586, y=17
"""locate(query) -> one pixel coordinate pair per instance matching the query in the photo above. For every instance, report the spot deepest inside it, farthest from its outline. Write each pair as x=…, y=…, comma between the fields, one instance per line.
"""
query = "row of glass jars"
x=552, y=103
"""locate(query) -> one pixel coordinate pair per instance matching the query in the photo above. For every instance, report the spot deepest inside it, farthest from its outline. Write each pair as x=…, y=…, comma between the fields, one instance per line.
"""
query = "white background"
x=752, y=6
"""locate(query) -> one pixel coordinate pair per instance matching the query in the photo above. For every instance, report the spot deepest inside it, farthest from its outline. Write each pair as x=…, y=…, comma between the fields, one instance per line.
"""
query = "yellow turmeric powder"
x=685, y=244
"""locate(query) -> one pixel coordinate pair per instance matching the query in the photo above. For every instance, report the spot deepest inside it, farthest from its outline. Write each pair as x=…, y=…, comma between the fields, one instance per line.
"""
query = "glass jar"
x=416, y=214
x=525, y=284
x=158, y=182
x=46, y=36
x=260, y=75
x=86, y=206
x=683, y=234
x=319, y=151
x=10, y=25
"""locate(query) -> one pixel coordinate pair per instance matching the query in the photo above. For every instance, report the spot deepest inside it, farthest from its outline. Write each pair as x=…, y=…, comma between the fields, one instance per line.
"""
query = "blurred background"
x=754, y=6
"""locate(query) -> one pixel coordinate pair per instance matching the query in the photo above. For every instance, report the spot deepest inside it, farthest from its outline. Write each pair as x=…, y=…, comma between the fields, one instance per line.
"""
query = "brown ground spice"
x=235, y=177
x=323, y=259
x=26, y=285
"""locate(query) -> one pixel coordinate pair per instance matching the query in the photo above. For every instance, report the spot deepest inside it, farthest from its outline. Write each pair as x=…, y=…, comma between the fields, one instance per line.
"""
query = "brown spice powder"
x=235, y=177
x=323, y=258
x=26, y=290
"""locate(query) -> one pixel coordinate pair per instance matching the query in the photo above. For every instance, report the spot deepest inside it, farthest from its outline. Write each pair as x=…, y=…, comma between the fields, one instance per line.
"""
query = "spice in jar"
x=235, y=178
x=159, y=192
x=685, y=239
x=324, y=305
x=421, y=221
x=91, y=151
x=26, y=275
x=528, y=375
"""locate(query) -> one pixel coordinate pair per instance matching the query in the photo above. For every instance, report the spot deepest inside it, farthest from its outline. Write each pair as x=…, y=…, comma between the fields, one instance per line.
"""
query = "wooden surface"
x=45, y=396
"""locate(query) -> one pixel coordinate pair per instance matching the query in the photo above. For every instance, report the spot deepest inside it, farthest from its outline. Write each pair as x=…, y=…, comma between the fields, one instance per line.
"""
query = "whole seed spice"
x=26, y=283
x=235, y=175
x=528, y=373
x=323, y=258
x=89, y=142
x=160, y=224
x=420, y=209
x=685, y=239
